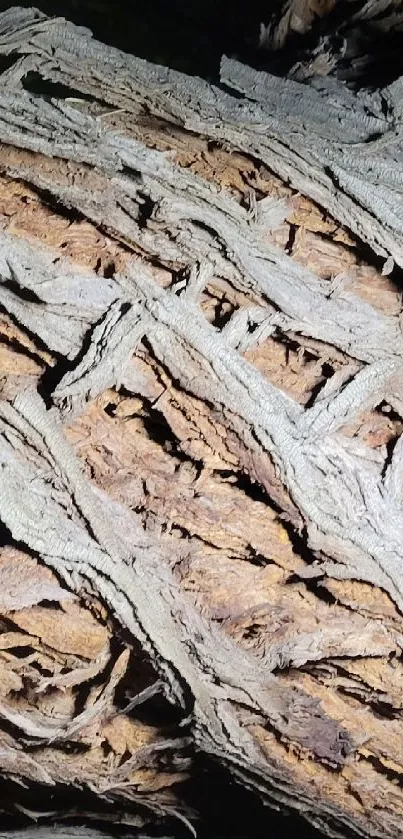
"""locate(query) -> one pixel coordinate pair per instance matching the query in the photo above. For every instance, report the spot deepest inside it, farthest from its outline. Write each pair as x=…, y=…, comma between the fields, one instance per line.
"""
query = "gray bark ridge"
x=342, y=149
x=81, y=534
x=79, y=531
x=185, y=209
x=350, y=506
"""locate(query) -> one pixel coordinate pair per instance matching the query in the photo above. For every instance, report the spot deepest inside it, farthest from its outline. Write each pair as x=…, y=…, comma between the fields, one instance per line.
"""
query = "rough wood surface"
x=340, y=148
x=200, y=442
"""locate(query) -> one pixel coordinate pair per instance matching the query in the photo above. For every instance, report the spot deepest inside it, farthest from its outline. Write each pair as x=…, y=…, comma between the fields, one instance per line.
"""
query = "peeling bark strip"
x=341, y=149
x=187, y=221
x=329, y=477
x=252, y=707
x=143, y=596
x=131, y=577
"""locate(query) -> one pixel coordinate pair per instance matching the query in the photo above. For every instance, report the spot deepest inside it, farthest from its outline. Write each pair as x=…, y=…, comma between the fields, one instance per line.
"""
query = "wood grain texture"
x=199, y=436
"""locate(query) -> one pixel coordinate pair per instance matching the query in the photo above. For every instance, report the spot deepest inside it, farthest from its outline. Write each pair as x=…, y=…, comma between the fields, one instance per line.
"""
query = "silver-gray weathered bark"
x=274, y=711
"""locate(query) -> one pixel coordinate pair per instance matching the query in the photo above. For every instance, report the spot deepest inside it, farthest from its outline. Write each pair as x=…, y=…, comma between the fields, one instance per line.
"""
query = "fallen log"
x=200, y=436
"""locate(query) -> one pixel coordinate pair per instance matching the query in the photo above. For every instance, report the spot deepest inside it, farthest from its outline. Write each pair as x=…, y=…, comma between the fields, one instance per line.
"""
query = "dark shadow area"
x=187, y=35
x=36, y=805
x=229, y=811
x=232, y=812
x=192, y=35
x=361, y=53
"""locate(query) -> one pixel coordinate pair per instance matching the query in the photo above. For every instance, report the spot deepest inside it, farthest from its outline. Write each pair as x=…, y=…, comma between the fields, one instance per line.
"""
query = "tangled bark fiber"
x=237, y=524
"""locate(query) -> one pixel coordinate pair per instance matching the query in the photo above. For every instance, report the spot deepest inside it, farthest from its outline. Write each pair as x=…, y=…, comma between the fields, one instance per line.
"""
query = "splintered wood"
x=200, y=436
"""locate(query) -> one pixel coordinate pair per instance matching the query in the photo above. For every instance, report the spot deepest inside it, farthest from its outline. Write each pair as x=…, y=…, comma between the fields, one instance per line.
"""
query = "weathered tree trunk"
x=200, y=438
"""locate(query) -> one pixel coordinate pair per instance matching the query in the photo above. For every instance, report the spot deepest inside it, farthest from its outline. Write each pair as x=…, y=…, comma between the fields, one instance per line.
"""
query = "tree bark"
x=201, y=453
